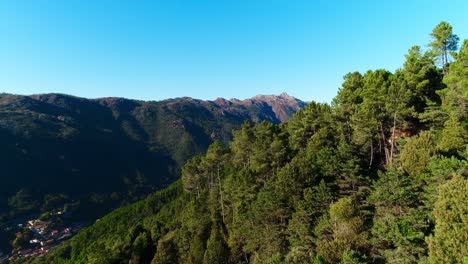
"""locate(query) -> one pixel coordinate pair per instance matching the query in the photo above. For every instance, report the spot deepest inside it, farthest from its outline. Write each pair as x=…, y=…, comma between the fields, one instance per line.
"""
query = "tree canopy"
x=368, y=179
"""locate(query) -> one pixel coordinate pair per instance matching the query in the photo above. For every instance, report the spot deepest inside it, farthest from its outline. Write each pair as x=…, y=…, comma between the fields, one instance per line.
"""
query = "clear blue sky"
x=207, y=49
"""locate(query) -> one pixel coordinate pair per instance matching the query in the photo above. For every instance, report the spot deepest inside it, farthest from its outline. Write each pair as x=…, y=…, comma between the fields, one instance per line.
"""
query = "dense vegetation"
x=93, y=155
x=378, y=176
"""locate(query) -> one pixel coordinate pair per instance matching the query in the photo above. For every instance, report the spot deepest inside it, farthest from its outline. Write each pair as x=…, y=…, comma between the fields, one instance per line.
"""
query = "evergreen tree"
x=166, y=252
x=398, y=229
x=417, y=152
x=241, y=145
x=455, y=102
x=443, y=41
x=455, y=96
x=192, y=176
x=450, y=241
x=369, y=122
x=216, y=248
x=346, y=102
x=398, y=107
x=341, y=231
x=422, y=79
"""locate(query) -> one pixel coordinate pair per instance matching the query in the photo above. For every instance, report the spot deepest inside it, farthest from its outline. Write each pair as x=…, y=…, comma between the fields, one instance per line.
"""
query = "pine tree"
x=342, y=231
x=450, y=241
x=443, y=41
x=217, y=251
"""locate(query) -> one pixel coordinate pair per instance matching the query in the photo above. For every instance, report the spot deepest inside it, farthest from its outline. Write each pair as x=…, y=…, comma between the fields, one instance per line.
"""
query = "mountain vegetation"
x=378, y=176
x=92, y=156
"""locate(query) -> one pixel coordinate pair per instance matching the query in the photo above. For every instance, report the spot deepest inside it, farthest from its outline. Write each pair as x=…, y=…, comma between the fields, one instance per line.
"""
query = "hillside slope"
x=370, y=179
x=110, y=149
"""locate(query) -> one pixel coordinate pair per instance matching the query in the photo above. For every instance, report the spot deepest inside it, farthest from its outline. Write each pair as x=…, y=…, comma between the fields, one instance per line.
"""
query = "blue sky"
x=205, y=49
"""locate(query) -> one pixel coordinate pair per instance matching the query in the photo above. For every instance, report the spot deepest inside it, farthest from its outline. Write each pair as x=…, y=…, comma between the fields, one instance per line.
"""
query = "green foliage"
x=449, y=242
x=166, y=252
x=192, y=178
x=307, y=122
x=417, y=152
x=422, y=79
x=22, y=239
x=455, y=103
x=455, y=96
x=398, y=228
x=300, y=237
x=443, y=41
x=354, y=182
x=142, y=247
x=120, y=235
x=109, y=146
x=341, y=231
x=23, y=201
x=351, y=257
x=216, y=248
x=453, y=137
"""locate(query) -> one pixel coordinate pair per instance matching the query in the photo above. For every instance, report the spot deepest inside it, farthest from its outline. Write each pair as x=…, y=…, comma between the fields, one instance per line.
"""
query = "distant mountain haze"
x=55, y=143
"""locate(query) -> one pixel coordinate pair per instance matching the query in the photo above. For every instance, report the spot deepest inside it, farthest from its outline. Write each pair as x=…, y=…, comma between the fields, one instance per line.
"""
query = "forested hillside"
x=87, y=157
x=378, y=176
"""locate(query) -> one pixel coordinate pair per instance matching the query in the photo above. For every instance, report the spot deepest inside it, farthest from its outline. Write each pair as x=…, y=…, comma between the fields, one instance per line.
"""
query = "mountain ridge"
x=57, y=143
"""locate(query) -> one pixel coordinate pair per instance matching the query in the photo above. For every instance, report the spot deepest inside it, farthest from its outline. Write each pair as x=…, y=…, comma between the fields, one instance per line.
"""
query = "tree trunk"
x=211, y=181
x=372, y=153
x=384, y=141
x=393, y=137
x=445, y=62
x=221, y=196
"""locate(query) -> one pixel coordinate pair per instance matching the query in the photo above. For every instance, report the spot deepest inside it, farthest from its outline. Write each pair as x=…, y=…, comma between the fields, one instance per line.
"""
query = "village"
x=41, y=236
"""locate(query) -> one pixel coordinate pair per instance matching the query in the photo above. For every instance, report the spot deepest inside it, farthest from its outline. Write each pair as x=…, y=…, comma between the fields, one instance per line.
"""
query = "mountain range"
x=58, y=148
x=378, y=176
